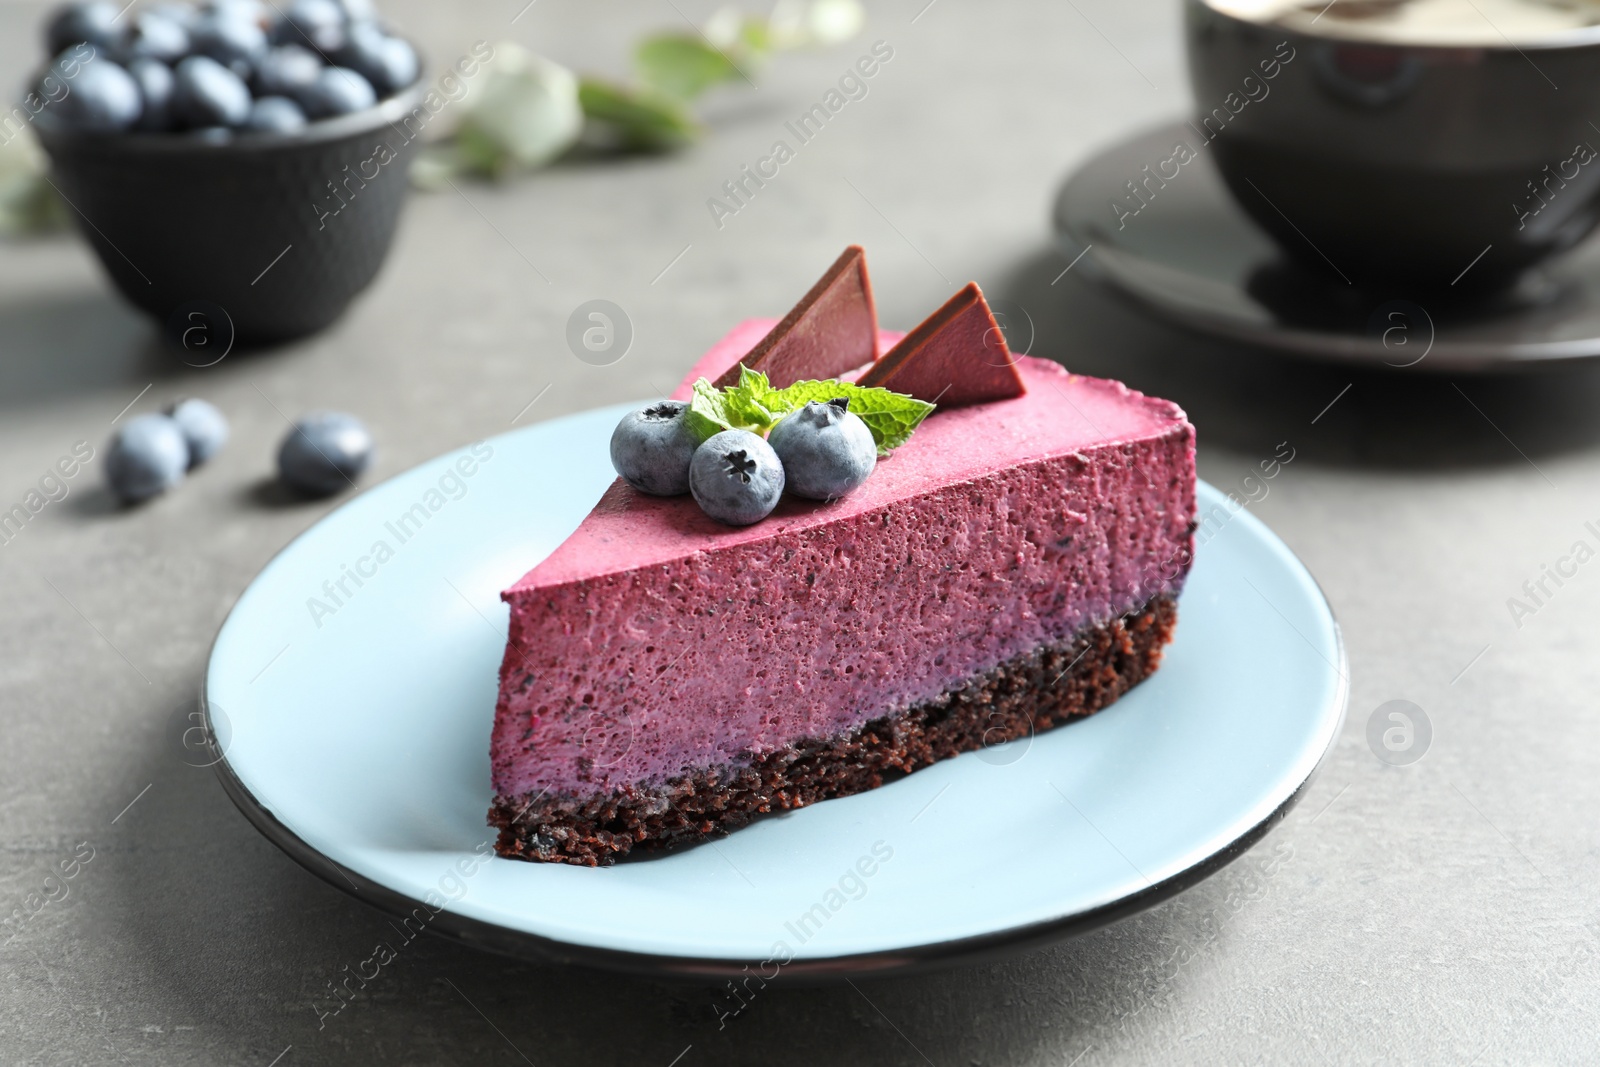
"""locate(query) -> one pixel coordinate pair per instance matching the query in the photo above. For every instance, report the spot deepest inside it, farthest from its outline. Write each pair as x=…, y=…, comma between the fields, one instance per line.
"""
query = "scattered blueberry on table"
x=204, y=428
x=826, y=449
x=736, y=477
x=324, y=452
x=148, y=456
x=651, y=448
x=224, y=67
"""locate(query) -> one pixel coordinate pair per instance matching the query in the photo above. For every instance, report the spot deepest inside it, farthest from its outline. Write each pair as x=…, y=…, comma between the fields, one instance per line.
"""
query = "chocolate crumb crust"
x=1035, y=691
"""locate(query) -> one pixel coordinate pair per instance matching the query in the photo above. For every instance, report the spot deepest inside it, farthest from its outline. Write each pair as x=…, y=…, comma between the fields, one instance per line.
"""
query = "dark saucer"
x=1192, y=255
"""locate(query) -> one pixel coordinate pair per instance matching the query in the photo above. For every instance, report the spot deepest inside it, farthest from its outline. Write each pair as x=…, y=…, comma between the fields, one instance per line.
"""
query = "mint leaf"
x=756, y=406
x=890, y=416
x=712, y=410
x=708, y=413
x=757, y=386
x=745, y=405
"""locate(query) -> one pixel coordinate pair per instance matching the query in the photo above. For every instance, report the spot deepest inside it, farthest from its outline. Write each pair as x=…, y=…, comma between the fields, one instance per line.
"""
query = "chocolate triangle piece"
x=832, y=330
x=958, y=355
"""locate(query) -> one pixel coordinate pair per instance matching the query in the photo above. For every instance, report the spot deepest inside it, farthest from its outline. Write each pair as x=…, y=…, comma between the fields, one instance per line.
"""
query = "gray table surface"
x=1438, y=912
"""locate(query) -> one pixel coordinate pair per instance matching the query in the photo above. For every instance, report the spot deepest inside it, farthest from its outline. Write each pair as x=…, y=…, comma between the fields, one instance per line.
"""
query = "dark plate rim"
x=916, y=958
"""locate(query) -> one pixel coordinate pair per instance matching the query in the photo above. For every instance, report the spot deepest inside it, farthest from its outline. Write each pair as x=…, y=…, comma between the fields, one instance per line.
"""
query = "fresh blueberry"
x=325, y=452
x=232, y=41
x=94, y=22
x=185, y=15
x=736, y=478
x=255, y=11
x=317, y=24
x=212, y=134
x=155, y=82
x=337, y=91
x=358, y=10
x=287, y=70
x=155, y=36
x=275, y=114
x=826, y=449
x=205, y=429
x=147, y=456
x=651, y=448
x=389, y=63
x=206, y=93
x=104, y=98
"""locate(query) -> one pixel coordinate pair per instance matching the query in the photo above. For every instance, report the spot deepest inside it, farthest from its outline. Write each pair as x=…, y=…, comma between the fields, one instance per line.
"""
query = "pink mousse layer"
x=656, y=641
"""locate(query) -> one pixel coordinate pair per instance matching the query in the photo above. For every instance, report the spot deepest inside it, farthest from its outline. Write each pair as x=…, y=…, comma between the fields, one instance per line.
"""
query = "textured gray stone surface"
x=1433, y=913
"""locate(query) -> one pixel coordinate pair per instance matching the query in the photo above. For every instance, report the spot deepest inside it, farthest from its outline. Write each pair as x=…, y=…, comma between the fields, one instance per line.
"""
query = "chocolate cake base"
x=1032, y=692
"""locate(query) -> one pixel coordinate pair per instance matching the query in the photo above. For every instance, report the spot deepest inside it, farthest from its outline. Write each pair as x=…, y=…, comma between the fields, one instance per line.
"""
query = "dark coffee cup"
x=1379, y=162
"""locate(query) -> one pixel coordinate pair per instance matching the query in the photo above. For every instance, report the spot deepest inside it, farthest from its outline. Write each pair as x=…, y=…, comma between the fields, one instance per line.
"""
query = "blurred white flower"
x=524, y=113
x=833, y=21
x=725, y=27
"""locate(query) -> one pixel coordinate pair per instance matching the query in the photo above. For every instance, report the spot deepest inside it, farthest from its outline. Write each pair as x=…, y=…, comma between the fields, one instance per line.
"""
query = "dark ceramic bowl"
x=279, y=231
x=1381, y=162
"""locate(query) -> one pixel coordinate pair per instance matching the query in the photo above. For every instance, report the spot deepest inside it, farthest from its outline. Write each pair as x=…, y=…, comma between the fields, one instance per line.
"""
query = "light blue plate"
x=353, y=726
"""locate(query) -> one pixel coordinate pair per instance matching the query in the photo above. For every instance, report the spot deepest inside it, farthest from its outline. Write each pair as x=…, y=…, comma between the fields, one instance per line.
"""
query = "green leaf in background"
x=890, y=416
x=524, y=111
x=29, y=205
x=641, y=119
x=682, y=66
x=756, y=35
x=737, y=33
x=28, y=202
x=797, y=24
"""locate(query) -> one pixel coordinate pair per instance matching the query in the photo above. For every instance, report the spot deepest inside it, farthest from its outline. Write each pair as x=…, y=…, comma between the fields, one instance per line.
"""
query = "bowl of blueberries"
x=245, y=159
